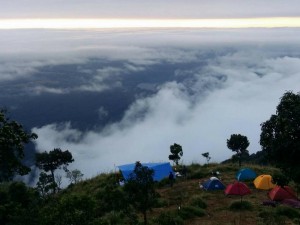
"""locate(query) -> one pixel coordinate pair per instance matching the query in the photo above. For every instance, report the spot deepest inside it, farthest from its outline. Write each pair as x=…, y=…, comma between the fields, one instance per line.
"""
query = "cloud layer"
x=233, y=90
x=225, y=82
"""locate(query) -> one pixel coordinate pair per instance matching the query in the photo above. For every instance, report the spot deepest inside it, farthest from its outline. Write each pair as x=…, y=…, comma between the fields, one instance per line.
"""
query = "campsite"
x=187, y=203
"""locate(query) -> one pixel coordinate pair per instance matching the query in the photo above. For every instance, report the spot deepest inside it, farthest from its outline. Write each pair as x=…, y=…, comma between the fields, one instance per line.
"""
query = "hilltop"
x=187, y=203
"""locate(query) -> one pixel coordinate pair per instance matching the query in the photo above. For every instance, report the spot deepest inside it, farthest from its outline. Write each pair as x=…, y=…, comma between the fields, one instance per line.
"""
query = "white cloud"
x=42, y=89
x=237, y=104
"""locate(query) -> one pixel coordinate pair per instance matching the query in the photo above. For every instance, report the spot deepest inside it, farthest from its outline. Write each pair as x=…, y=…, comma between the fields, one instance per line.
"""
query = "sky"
x=233, y=84
x=148, y=9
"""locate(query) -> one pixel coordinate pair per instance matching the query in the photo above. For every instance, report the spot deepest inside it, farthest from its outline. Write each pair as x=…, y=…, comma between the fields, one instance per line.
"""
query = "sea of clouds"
x=236, y=85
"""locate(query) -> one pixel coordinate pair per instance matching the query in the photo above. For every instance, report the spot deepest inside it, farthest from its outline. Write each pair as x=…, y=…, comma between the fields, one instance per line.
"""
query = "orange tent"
x=264, y=182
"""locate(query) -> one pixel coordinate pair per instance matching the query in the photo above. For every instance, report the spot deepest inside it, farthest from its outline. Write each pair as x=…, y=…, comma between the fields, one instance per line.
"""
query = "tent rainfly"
x=237, y=188
x=213, y=184
x=161, y=170
x=280, y=193
x=245, y=174
x=264, y=182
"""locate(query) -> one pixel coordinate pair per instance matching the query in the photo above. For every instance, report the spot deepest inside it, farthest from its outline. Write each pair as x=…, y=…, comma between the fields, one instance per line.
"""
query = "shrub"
x=240, y=205
x=189, y=212
x=197, y=174
x=168, y=218
x=160, y=202
x=288, y=212
x=268, y=216
x=198, y=201
x=163, y=183
x=109, y=218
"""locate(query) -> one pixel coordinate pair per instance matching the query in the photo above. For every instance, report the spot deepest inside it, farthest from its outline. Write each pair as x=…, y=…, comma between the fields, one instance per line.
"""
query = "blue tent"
x=161, y=170
x=213, y=184
x=245, y=174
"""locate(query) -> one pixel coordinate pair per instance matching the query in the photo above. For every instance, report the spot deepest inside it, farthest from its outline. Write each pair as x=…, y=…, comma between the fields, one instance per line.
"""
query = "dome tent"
x=237, y=188
x=245, y=174
x=280, y=193
x=161, y=170
x=213, y=184
x=264, y=182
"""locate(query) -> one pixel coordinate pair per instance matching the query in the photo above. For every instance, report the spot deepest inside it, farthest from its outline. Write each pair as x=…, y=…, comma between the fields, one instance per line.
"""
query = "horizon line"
x=110, y=23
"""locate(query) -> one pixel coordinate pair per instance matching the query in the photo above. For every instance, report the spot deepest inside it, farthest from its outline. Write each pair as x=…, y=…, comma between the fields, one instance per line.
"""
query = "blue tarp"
x=211, y=185
x=245, y=174
x=161, y=170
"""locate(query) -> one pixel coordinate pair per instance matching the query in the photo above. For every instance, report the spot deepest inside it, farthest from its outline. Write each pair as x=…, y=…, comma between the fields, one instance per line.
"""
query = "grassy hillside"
x=101, y=201
x=187, y=203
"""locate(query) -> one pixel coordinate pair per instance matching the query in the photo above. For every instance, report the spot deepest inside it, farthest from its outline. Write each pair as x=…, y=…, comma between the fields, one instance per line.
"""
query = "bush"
x=269, y=217
x=160, y=202
x=163, y=183
x=288, y=212
x=240, y=205
x=189, y=212
x=197, y=174
x=109, y=218
x=198, y=201
x=168, y=218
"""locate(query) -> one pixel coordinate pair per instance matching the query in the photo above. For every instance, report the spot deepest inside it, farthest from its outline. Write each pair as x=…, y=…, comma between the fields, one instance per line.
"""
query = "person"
x=171, y=178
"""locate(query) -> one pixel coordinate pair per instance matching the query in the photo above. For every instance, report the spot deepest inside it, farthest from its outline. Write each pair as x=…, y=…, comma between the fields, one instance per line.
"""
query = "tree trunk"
x=240, y=160
x=53, y=181
x=145, y=218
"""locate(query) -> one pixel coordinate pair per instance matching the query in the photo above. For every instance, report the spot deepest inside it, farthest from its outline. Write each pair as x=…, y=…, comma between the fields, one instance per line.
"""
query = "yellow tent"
x=264, y=182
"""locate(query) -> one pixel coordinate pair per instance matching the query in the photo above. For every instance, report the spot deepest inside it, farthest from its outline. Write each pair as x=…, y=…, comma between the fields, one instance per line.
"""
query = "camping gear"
x=245, y=174
x=279, y=193
x=237, y=188
x=161, y=170
x=213, y=184
x=264, y=182
x=291, y=202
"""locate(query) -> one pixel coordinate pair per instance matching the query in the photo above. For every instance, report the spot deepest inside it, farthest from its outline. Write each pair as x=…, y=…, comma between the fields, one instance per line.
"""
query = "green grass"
x=197, y=206
x=241, y=206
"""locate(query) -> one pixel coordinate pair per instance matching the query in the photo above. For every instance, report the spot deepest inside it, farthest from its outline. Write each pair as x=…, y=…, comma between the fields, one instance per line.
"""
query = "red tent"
x=237, y=188
x=280, y=193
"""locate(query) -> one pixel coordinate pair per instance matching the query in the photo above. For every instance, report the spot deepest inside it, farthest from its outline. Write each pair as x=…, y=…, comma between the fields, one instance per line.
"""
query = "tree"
x=141, y=190
x=45, y=184
x=206, y=155
x=176, y=153
x=74, y=176
x=280, y=136
x=53, y=160
x=19, y=204
x=239, y=144
x=13, y=137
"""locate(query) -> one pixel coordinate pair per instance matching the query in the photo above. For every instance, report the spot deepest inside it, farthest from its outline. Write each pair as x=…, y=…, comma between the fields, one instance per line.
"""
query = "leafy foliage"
x=176, y=153
x=206, y=156
x=239, y=144
x=13, y=137
x=288, y=212
x=280, y=136
x=45, y=184
x=140, y=189
x=280, y=179
x=18, y=204
x=50, y=161
x=198, y=201
x=73, y=209
x=74, y=176
x=169, y=218
x=188, y=212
